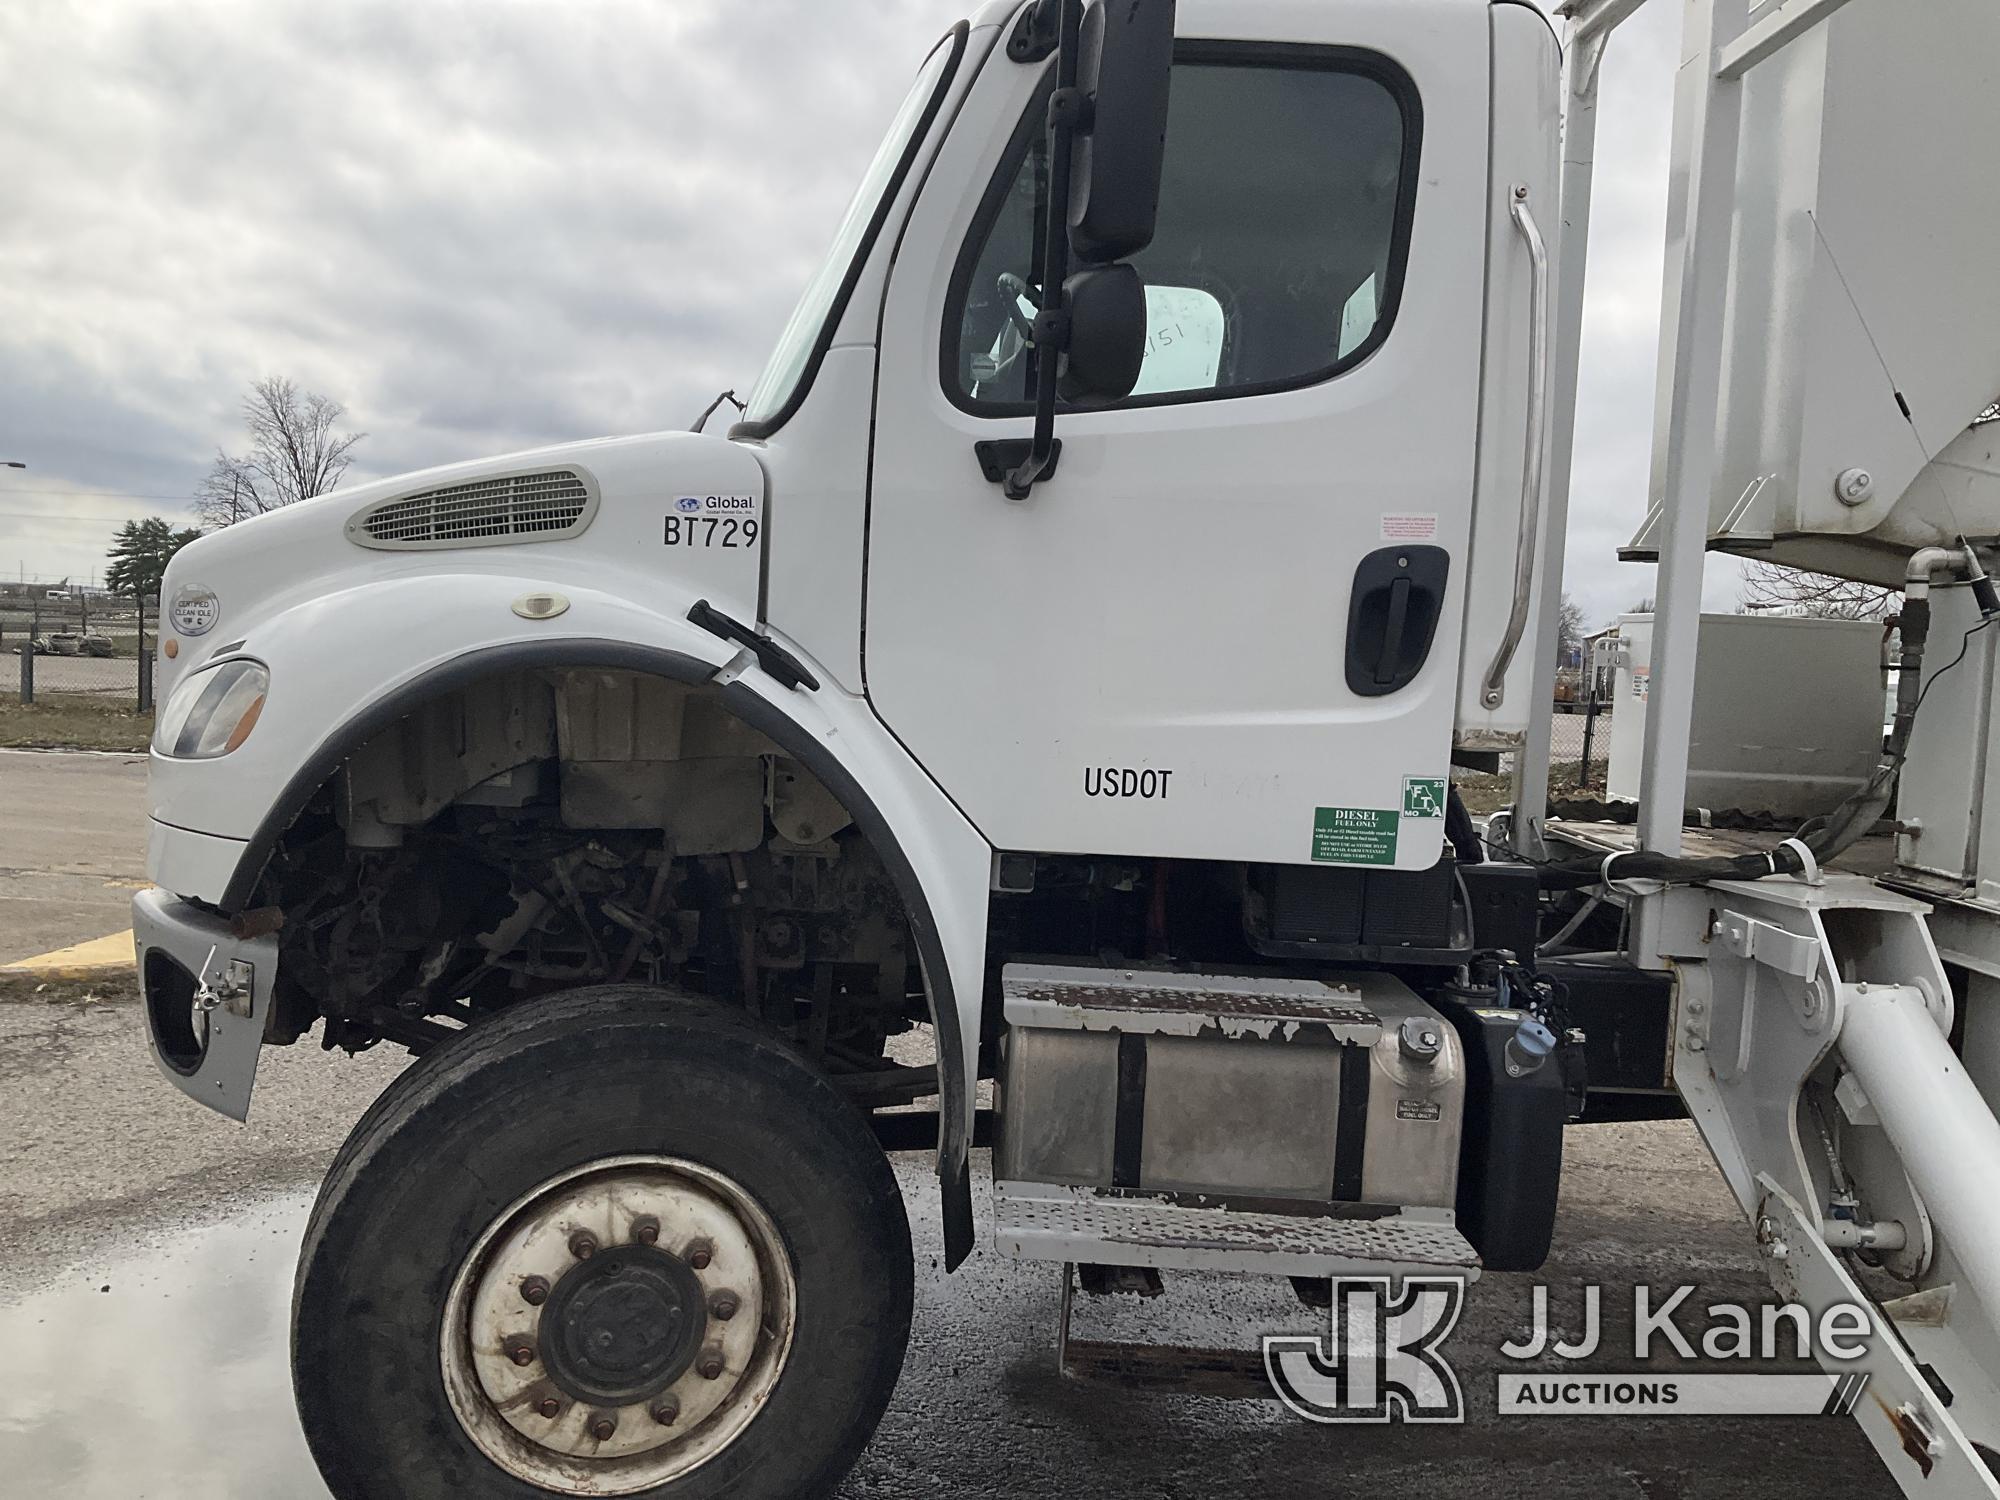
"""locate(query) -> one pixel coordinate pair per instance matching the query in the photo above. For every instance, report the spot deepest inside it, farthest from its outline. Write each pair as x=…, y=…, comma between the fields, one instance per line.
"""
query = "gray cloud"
x=480, y=226
x=488, y=225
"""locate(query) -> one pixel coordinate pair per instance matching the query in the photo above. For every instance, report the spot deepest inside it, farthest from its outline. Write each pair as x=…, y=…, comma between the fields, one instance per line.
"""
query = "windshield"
x=803, y=341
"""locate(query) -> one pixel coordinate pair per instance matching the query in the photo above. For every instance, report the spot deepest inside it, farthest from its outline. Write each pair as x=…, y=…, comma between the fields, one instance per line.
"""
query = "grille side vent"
x=543, y=505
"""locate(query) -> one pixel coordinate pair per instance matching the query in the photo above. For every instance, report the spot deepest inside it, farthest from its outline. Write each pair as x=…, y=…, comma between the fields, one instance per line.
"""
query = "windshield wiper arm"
x=709, y=411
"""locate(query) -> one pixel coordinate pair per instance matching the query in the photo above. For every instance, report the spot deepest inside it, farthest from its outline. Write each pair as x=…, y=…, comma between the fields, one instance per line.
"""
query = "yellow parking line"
x=80, y=960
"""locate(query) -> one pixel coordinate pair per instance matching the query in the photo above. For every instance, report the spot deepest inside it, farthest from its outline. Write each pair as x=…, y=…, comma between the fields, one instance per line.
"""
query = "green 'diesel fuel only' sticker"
x=1355, y=835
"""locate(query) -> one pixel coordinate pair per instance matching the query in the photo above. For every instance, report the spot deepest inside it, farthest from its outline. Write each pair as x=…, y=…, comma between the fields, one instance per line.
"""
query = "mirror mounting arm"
x=1070, y=107
x=1034, y=35
x=1067, y=106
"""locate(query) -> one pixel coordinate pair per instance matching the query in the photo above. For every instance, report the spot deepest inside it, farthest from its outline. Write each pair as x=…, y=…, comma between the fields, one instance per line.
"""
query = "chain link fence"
x=1580, y=745
x=61, y=645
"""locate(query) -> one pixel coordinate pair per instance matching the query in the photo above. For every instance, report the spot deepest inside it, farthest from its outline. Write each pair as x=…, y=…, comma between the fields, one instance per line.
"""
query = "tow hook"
x=232, y=990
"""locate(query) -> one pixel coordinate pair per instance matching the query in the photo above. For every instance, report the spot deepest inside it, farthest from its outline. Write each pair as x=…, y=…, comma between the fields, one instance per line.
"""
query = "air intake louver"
x=541, y=506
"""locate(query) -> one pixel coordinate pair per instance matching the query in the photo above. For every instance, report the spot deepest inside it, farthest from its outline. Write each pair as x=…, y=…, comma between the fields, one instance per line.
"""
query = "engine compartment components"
x=546, y=829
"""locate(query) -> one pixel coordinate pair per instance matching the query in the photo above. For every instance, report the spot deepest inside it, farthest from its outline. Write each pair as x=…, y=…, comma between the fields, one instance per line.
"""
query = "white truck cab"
x=1053, y=678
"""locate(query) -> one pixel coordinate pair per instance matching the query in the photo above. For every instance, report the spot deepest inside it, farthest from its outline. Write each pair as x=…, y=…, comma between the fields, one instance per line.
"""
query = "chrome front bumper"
x=207, y=994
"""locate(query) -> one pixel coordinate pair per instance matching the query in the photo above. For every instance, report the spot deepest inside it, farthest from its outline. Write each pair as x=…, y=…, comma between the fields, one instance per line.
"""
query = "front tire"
x=613, y=1243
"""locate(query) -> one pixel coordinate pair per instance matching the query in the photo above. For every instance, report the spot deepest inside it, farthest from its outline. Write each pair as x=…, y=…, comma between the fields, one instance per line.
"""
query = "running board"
x=1042, y=1221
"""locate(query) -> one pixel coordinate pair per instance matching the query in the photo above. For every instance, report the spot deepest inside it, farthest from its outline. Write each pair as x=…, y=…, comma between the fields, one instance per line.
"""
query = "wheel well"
x=687, y=831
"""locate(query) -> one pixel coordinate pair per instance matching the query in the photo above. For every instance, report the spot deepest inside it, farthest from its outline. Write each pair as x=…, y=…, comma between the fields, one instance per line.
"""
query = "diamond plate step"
x=1152, y=1000
x=1040, y=1221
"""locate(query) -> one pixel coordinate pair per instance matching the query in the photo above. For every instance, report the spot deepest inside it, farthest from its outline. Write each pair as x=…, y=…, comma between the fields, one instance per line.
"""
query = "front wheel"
x=615, y=1243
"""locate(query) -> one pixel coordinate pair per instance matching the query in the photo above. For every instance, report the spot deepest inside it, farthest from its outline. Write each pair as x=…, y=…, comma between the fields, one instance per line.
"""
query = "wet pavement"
x=145, y=1271
x=162, y=1372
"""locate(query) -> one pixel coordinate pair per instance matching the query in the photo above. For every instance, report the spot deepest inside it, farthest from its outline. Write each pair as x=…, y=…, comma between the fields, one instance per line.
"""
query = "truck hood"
x=665, y=517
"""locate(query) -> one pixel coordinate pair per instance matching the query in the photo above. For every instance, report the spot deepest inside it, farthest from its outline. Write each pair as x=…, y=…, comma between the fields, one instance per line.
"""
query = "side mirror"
x=1107, y=333
x=1107, y=142
x=1125, y=54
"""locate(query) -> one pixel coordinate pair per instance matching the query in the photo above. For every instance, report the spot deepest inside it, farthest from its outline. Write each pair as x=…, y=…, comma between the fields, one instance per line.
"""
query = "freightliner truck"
x=1053, y=683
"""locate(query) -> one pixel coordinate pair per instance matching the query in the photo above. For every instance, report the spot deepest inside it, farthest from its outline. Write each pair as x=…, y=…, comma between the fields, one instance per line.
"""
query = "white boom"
x=1829, y=341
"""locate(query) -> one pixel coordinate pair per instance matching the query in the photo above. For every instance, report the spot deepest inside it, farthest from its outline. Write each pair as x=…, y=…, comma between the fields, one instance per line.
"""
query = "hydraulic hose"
x=1827, y=837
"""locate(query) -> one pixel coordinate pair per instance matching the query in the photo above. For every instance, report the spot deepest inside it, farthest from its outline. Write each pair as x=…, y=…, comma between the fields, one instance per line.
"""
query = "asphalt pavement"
x=146, y=1253
x=72, y=847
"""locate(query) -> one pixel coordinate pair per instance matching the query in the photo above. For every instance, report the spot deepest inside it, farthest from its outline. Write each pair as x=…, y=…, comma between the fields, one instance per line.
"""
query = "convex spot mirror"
x=1125, y=58
x=1107, y=334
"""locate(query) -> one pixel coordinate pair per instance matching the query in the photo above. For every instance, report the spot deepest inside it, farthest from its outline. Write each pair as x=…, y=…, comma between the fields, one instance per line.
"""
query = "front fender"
x=441, y=632
x=361, y=656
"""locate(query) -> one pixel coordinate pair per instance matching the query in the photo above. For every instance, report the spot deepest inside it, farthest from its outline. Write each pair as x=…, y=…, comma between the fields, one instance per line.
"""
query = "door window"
x=1284, y=219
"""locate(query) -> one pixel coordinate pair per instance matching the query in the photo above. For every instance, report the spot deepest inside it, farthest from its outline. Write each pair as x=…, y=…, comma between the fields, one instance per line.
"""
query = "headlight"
x=212, y=711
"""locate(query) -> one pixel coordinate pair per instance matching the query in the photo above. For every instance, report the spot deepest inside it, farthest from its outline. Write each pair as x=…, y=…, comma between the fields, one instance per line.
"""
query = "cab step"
x=1044, y=1221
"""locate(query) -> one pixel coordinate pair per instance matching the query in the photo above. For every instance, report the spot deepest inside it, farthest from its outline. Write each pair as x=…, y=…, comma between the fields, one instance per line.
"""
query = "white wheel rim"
x=497, y=1372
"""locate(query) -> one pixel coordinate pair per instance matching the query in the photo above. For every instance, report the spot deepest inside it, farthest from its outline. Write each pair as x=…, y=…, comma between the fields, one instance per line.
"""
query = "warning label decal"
x=1355, y=835
x=1412, y=526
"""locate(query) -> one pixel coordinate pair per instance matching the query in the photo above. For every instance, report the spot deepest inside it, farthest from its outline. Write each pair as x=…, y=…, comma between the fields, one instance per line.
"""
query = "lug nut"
x=711, y=1365
x=535, y=1291
x=723, y=1305
x=583, y=1244
x=700, y=1256
x=667, y=1412
x=549, y=1407
x=603, y=1427
x=521, y=1352
x=646, y=1231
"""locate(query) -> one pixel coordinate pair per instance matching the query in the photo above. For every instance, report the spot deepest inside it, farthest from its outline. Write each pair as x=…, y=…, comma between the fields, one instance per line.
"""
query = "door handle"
x=1392, y=616
x=1392, y=632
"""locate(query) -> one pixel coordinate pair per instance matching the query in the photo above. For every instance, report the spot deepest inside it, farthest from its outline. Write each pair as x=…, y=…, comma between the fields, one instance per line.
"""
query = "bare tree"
x=1821, y=596
x=1569, y=631
x=295, y=454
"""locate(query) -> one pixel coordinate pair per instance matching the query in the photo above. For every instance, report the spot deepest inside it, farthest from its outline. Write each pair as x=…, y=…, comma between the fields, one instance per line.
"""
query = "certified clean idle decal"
x=194, y=609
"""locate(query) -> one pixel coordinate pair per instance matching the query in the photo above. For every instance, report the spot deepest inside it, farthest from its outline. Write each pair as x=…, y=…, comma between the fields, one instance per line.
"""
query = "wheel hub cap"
x=619, y=1326
x=623, y=1326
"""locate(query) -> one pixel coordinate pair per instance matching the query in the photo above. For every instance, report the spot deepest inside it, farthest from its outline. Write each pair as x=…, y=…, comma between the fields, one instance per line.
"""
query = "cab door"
x=1227, y=626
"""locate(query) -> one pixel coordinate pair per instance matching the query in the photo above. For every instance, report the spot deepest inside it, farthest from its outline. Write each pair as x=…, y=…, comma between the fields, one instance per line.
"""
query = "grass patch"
x=73, y=721
x=1484, y=792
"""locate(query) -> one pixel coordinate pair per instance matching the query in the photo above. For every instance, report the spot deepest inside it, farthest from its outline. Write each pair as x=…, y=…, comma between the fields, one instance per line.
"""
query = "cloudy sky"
x=488, y=225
